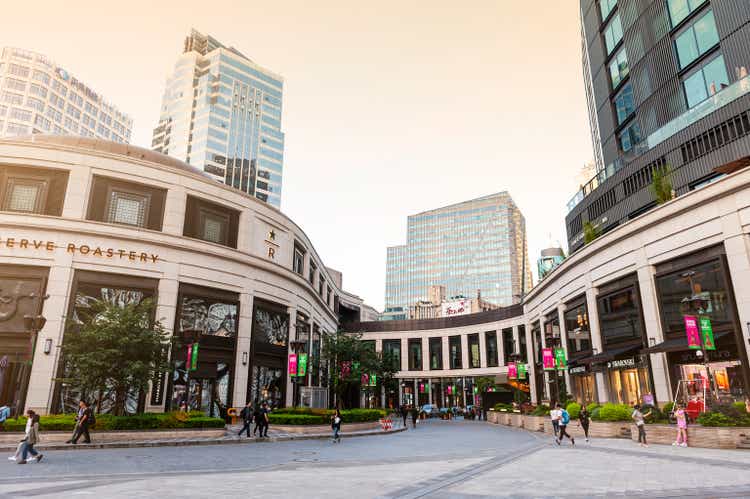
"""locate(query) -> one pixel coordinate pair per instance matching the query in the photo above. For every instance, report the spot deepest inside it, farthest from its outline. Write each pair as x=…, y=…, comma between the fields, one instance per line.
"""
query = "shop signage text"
x=577, y=370
x=621, y=363
x=691, y=329
x=83, y=249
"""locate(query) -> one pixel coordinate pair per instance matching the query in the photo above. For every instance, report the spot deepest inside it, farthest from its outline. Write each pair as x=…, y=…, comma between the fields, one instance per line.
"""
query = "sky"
x=390, y=108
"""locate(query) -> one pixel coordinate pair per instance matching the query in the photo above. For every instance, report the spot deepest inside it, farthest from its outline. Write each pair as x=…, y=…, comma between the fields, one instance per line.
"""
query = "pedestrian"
x=4, y=415
x=681, y=418
x=246, y=414
x=258, y=418
x=83, y=423
x=19, y=448
x=404, y=413
x=584, y=419
x=265, y=411
x=640, y=422
x=32, y=438
x=563, y=424
x=554, y=415
x=336, y=426
x=414, y=415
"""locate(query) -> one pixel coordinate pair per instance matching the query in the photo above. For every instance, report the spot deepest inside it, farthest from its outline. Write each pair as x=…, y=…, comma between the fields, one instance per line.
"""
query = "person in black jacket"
x=83, y=421
x=414, y=416
x=336, y=426
x=257, y=416
x=246, y=414
x=584, y=418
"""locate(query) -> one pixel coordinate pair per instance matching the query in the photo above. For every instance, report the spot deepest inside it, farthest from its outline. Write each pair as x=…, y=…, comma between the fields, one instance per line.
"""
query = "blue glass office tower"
x=222, y=112
x=474, y=245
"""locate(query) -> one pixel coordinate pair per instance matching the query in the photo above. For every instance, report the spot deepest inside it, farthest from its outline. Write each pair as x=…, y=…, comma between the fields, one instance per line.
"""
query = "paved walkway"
x=439, y=459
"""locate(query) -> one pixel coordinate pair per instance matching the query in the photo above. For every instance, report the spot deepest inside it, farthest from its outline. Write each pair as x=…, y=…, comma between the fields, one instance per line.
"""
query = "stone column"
x=404, y=355
x=545, y=374
x=500, y=347
x=446, y=354
x=564, y=343
x=737, y=247
x=535, y=397
x=292, y=311
x=425, y=354
x=244, y=341
x=166, y=312
x=77, y=194
x=482, y=349
x=174, y=217
x=654, y=333
x=516, y=340
x=464, y=351
x=54, y=309
x=596, y=341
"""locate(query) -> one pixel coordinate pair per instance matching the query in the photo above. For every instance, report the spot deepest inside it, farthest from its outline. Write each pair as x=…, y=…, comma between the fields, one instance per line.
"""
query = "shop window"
x=454, y=350
x=211, y=222
x=436, y=353
x=620, y=316
x=392, y=349
x=490, y=339
x=128, y=203
x=475, y=360
x=33, y=190
x=298, y=263
x=508, y=345
x=699, y=289
x=577, y=327
x=313, y=269
x=321, y=285
x=415, y=354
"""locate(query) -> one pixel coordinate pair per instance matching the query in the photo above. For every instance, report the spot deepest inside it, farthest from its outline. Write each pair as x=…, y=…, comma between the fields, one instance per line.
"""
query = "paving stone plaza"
x=438, y=459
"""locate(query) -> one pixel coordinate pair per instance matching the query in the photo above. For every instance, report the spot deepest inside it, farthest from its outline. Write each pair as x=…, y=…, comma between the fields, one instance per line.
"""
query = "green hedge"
x=296, y=419
x=574, y=409
x=592, y=406
x=541, y=410
x=502, y=407
x=104, y=422
x=612, y=412
x=307, y=416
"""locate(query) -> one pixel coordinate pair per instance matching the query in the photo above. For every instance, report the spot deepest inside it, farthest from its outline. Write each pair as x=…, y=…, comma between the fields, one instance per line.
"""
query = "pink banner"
x=548, y=358
x=512, y=371
x=692, y=331
x=293, y=364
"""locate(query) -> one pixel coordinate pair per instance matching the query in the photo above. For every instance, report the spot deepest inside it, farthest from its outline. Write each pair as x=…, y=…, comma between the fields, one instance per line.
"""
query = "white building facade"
x=39, y=96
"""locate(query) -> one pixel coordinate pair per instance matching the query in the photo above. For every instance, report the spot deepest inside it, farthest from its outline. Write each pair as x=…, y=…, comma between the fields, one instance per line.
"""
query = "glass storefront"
x=269, y=353
x=583, y=384
x=629, y=381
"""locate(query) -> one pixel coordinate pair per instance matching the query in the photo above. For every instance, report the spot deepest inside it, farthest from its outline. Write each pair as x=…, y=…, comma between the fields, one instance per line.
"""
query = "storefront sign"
x=691, y=329
x=577, y=370
x=82, y=249
x=521, y=371
x=512, y=371
x=560, y=360
x=292, y=364
x=424, y=388
x=548, y=359
x=628, y=363
x=302, y=364
x=458, y=307
x=707, y=333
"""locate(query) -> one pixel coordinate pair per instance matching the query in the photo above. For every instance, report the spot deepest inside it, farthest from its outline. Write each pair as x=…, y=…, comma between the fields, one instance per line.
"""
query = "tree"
x=115, y=349
x=590, y=232
x=349, y=358
x=483, y=384
x=661, y=184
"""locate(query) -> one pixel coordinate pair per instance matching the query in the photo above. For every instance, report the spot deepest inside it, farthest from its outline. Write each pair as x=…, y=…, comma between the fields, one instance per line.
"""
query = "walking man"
x=258, y=418
x=563, y=424
x=264, y=420
x=414, y=416
x=554, y=415
x=246, y=414
x=83, y=422
x=336, y=426
x=404, y=413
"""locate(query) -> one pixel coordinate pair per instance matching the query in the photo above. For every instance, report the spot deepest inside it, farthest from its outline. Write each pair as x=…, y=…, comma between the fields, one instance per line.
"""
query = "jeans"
x=563, y=433
x=556, y=427
x=246, y=428
x=336, y=430
x=642, y=434
x=81, y=429
x=28, y=449
x=585, y=427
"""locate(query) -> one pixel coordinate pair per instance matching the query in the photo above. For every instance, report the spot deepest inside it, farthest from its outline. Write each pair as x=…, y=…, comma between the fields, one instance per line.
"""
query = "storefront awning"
x=610, y=354
x=578, y=358
x=675, y=344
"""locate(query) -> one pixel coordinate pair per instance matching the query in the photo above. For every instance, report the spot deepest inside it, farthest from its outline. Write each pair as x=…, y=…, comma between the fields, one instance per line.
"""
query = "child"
x=681, y=418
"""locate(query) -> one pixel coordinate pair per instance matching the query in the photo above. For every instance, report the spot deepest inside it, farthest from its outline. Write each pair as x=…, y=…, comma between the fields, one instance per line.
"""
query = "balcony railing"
x=720, y=99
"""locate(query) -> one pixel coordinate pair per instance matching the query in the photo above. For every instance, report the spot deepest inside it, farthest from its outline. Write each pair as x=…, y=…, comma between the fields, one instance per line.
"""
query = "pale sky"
x=390, y=107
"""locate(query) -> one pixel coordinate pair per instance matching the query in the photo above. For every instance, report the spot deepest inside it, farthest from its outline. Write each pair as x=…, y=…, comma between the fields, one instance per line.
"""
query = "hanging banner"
x=512, y=371
x=194, y=358
x=189, y=357
x=364, y=380
x=693, y=335
x=292, y=364
x=521, y=371
x=355, y=367
x=373, y=380
x=302, y=364
x=707, y=333
x=548, y=359
x=346, y=369
x=560, y=360
x=450, y=389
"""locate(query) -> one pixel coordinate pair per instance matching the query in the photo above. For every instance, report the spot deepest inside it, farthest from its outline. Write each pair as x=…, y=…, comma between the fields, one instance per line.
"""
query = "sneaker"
x=587, y=440
x=557, y=441
x=572, y=441
x=20, y=462
x=683, y=444
x=12, y=458
x=39, y=457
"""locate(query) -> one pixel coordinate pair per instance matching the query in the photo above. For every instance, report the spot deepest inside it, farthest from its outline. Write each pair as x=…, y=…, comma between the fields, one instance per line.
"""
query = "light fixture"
x=47, y=346
x=244, y=358
x=652, y=341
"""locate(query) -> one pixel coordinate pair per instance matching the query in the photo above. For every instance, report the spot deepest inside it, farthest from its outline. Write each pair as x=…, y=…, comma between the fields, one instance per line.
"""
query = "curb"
x=217, y=441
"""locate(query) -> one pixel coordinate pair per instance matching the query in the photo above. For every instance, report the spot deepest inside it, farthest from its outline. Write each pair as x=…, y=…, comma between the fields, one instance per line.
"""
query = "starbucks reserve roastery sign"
x=81, y=249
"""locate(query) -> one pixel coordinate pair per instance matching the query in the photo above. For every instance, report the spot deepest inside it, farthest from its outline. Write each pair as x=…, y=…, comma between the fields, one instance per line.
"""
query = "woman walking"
x=336, y=426
x=32, y=437
x=640, y=421
x=584, y=418
x=681, y=418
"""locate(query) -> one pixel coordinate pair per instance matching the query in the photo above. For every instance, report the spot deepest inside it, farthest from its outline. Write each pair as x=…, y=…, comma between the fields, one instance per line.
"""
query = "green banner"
x=707, y=333
x=373, y=380
x=521, y=370
x=561, y=363
x=302, y=364
x=194, y=358
x=355, y=367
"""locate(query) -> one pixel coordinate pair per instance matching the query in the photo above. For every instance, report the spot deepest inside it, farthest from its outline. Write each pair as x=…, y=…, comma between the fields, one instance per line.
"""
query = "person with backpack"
x=562, y=425
x=84, y=420
x=246, y=414
x=336, y=426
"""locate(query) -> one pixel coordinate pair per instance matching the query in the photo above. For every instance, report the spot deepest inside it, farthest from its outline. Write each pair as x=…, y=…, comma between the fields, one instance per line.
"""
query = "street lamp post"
x=695, y=304
x=297, y=347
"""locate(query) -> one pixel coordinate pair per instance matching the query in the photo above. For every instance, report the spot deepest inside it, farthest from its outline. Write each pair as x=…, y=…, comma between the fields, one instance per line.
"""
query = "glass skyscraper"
x=222, y=112
x=477, y=245
x=39, y=96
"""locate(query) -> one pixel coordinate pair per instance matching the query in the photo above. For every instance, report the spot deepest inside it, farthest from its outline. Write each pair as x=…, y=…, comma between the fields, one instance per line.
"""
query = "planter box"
x=534, y=423
x=597, y=429
x=516, y=420
x=505, y=418
x=730, y=437
x=492, y=417
x=12, y=438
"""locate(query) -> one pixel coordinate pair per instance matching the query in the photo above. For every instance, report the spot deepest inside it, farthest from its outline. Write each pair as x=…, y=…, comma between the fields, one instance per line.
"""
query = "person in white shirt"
x=555, y=414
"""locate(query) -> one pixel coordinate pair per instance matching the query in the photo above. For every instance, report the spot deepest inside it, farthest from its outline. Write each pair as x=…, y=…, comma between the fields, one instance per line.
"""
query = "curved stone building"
x=85, y=219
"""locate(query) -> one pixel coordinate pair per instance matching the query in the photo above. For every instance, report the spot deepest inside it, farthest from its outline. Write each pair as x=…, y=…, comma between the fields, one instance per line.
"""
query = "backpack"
x=565, y=417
